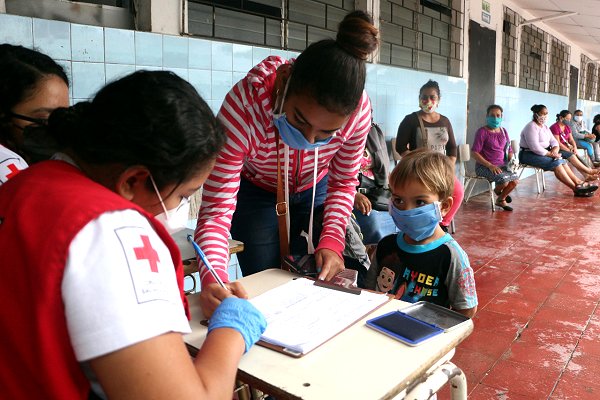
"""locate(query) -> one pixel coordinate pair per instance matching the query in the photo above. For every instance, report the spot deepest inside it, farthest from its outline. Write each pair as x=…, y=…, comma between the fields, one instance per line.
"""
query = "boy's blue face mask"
x=494, y=122
x=418, y=223
x=293, y=137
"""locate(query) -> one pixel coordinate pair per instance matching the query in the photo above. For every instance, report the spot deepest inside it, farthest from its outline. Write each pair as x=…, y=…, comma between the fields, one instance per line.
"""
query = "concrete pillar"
x=161, y=16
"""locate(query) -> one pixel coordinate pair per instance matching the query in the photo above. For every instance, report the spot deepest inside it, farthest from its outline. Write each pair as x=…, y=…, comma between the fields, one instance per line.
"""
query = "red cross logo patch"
x=144, y=253
x=9, y=168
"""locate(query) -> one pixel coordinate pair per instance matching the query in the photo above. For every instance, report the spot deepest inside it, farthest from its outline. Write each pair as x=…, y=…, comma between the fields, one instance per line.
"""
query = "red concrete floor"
x=537, y=272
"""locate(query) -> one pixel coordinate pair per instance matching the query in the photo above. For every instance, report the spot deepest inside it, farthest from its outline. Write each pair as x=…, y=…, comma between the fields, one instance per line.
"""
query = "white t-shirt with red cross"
x=119, y=286
x=10, y=164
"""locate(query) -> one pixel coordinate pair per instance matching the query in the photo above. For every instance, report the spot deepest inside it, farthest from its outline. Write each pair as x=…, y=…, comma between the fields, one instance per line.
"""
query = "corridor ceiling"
x=582, y=29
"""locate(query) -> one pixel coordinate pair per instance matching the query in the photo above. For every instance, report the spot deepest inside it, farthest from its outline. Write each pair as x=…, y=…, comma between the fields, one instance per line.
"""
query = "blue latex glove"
x=241, y=315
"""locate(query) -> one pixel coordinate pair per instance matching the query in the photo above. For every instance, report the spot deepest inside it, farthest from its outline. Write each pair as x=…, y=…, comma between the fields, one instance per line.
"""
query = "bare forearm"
x=217, y=361
x=479, y=158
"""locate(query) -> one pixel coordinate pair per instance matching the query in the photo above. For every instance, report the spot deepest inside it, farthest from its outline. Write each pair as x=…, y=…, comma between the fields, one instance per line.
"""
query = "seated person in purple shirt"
x=491, y=151
x=539, y=148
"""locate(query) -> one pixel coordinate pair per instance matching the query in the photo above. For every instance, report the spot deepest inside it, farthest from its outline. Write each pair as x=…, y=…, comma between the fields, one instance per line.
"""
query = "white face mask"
x=541, y=118
x=173, y=220
x=578, y=118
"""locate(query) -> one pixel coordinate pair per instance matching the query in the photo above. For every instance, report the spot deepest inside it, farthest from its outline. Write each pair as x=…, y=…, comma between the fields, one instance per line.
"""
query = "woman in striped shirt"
x=313, y=116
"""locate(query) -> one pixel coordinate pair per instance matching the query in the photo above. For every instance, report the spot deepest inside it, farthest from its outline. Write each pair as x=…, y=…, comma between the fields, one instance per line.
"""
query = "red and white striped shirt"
x=251, y=150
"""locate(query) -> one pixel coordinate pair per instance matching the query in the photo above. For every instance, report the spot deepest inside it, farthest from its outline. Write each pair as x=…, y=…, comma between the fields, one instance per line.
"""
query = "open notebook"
x=301, y=316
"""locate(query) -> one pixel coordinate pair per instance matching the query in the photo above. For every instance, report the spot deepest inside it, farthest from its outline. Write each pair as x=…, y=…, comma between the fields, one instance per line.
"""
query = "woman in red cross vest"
x=91, y=281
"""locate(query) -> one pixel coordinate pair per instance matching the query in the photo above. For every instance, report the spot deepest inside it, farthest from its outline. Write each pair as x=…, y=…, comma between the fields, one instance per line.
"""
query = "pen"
x=205, y=261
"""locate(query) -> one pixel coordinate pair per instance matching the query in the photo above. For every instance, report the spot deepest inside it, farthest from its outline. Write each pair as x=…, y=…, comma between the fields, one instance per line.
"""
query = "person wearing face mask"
x=31, y=86
x=108, y=304
x=492, y=152
x=432, y=130
x=305, y=121
x=567, y=145
x=422, y=262
x=584, y=138
x=539, y=148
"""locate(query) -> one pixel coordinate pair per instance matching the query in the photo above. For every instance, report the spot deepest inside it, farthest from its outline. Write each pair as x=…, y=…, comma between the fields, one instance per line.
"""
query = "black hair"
x=431, y=84
x=333, y=71
x=494, y=107
x=536, y=108
x=150, y=118
x=596, y=119
x=562, y=114
x=576, y=111
x=22, y=69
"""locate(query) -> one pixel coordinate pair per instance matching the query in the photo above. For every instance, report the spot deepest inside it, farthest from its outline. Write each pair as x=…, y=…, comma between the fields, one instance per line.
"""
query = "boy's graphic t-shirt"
x=437, y=272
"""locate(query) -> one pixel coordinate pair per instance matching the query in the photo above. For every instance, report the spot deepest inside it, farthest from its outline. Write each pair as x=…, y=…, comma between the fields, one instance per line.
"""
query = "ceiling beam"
x=561, y=14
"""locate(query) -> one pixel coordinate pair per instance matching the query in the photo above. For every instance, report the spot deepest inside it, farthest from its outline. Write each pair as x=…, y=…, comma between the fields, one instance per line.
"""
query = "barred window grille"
x=591, y=81
x=422, y=34
x=560, y=57
x=283, y=24
x=534, y=56
x=508, y=70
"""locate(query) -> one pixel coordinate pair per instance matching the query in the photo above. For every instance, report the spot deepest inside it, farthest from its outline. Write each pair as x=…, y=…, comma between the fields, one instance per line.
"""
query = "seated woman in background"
x=108, y=275
x=31, y=86
x=539, y=148
x=584, y=138
x=596, y=128
x=492, y=151
x=374, y=220
x=567, y=146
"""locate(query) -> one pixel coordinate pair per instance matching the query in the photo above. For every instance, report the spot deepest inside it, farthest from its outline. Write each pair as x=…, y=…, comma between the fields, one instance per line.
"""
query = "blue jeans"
x=375, y=226
x=255, y=223
x=584, y=144
x=535, y=160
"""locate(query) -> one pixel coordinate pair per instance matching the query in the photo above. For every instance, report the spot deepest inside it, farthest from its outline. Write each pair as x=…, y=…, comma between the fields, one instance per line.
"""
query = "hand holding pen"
x=208, y=265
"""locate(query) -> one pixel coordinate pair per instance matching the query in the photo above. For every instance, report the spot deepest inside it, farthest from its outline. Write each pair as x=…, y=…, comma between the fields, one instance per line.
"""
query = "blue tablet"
x=404, y=328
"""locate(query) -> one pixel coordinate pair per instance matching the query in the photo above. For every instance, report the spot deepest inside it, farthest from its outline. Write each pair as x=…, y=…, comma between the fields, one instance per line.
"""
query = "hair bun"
x=66, y=124
x=357, y=35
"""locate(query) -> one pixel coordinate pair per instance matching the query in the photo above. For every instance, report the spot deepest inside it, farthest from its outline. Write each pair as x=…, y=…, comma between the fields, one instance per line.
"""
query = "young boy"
x=422, y=262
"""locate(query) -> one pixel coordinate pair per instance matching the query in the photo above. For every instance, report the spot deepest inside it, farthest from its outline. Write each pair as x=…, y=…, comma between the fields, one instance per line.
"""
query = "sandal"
x=583, y=194
x=504, y=206
x=587, y=186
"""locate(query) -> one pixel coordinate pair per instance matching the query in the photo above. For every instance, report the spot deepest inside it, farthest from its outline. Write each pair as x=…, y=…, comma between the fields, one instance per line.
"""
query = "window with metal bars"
x=533, y=61
x=560, y=57
x=508, y=69
x=283, y=24
x=422, y=34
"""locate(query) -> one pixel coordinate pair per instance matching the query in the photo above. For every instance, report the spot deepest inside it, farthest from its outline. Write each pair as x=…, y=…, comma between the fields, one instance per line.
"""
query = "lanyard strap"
x=281, y=209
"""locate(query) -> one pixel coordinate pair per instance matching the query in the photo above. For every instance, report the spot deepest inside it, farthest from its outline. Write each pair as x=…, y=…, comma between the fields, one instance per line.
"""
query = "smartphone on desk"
x=404, y=328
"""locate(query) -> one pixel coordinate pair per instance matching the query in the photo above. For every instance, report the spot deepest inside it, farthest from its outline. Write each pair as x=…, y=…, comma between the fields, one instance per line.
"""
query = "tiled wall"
x=94, y=55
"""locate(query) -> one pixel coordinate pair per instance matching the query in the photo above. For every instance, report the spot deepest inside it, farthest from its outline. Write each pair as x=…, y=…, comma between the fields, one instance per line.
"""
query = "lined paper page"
x=301, y=316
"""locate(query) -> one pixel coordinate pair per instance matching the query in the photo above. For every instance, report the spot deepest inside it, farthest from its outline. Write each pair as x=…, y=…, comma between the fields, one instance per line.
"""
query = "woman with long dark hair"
x=306, y=121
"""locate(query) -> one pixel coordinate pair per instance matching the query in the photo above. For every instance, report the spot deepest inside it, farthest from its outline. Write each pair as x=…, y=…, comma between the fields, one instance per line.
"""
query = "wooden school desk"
x=359, y=363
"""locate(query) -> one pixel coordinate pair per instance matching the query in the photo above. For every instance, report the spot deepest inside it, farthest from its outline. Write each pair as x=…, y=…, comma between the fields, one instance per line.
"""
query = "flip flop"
x=504, y=206
x=587, y=186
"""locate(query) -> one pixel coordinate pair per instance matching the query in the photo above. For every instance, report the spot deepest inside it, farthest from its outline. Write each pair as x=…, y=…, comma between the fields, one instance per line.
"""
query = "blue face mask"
x=292, y=136
x=418, y=223
x=494, y=122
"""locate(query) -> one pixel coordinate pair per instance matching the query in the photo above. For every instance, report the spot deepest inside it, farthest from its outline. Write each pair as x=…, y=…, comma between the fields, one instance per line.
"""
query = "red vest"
x=41, y=211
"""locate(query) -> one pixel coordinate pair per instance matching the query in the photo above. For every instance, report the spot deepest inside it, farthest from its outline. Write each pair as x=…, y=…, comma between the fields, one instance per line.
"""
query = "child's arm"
x=460, y=282
x=469, y=312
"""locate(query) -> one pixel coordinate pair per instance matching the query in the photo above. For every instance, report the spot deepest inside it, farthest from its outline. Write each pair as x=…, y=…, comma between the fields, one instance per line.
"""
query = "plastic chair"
x=539, y=173
x=470, y=178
